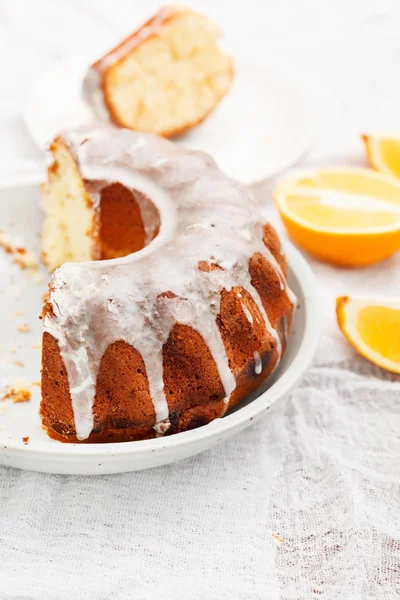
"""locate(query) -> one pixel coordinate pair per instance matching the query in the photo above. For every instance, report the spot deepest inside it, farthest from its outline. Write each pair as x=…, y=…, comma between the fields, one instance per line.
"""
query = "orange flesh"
x=351, y=182
x=379, y=328
x=390, y=155
x=316, y=212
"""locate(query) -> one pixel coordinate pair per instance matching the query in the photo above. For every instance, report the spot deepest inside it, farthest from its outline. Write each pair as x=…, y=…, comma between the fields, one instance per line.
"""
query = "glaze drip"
x=247, y=313
x=257, y=363
x=204, y=216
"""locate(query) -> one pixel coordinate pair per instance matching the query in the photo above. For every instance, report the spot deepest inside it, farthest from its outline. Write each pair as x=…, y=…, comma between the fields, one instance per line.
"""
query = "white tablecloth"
x=304, y=505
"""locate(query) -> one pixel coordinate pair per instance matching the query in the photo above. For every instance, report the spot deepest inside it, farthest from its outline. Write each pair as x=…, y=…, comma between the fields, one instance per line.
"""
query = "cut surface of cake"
x=189, y=314
x=165, y=78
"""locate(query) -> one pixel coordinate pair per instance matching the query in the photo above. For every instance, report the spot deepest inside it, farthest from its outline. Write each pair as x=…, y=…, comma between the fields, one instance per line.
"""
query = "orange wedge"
x=372, y=326
x=383, y=154
x=348, y=217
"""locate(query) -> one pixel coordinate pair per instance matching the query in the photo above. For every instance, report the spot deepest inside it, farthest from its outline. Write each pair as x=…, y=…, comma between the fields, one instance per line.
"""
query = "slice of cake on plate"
x=165, y=78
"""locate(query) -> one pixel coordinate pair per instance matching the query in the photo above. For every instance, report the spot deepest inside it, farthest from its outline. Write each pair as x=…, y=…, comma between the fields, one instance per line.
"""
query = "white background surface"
x=322, y=471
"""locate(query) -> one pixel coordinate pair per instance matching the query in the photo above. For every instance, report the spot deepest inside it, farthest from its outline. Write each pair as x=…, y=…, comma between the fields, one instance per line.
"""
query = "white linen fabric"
x=304, y=505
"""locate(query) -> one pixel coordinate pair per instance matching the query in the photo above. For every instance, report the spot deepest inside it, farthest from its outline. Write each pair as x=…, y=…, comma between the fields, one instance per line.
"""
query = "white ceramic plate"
x=263, y=125
x=20, y=216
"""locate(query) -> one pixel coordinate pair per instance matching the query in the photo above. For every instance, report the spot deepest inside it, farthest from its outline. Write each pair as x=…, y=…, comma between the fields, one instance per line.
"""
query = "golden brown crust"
x=153, y=25
x=122, y=391
x=103, y=437
x=190, y=375
x=242, y=338
x=55, y=408
x=272, y=242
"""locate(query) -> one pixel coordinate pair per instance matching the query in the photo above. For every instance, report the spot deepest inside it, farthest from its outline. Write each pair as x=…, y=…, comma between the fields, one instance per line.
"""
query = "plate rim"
x=281, y=72
x=301, y=361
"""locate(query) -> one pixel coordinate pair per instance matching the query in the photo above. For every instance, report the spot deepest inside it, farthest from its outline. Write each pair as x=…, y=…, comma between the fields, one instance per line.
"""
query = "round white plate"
x=264, y=124
x=21, y=302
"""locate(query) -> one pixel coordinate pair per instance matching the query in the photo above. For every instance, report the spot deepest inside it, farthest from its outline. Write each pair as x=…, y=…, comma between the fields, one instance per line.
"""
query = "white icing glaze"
x=247, y=313
x=204, y=215
x=258, y=363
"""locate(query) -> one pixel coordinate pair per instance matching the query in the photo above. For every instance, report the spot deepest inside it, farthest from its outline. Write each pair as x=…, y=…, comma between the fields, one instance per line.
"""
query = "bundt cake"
x=190, y=313
x=165, y=78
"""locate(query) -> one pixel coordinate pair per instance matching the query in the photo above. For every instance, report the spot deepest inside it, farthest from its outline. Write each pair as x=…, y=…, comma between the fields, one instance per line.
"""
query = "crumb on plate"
x=19, y=391
x=20, y=255
x=38, y=344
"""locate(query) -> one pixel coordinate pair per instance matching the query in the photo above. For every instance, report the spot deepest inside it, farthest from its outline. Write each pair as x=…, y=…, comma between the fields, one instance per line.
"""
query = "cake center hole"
x=128, y=221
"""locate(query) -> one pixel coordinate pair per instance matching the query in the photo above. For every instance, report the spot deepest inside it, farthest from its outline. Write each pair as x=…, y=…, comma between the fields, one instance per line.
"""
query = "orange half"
x=346, y=216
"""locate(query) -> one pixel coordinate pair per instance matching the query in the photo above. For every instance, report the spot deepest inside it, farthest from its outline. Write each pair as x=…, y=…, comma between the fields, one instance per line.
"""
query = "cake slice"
x=70, y=224
x=87, y=220
x=164, y=78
